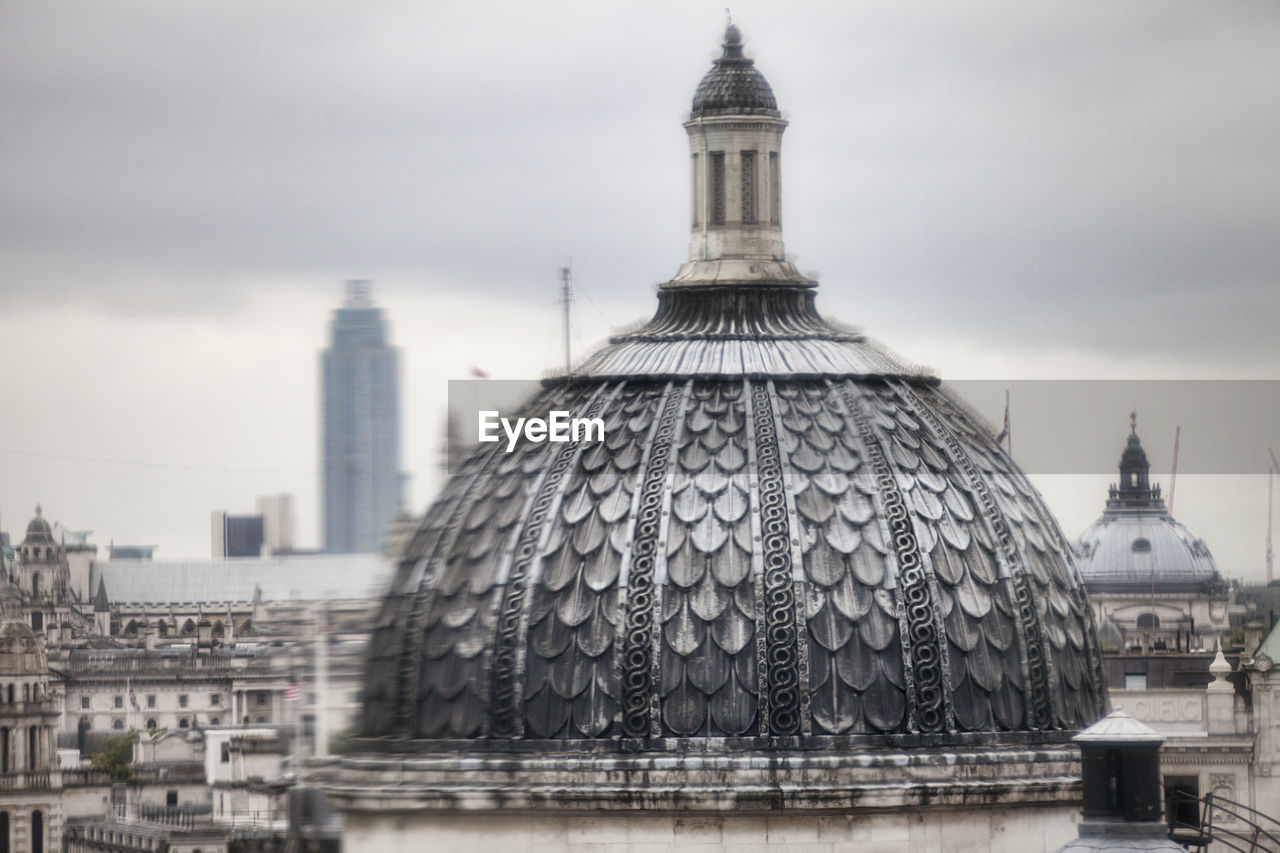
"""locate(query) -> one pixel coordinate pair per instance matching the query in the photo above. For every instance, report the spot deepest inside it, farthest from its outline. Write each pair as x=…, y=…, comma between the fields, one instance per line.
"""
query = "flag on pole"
x=133, y=698
x=477, y=373
x=1004, y=433
x=292, y=691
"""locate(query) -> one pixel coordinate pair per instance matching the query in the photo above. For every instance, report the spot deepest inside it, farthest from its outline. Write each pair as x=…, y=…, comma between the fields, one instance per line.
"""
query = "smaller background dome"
x=38, y=531
x=20, y=652
x=1132, y=551
x=733, y=86
x=1136, y=543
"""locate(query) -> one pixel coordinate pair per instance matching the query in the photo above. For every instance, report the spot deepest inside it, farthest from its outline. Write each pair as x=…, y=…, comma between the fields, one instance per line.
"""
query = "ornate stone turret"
x=1135, y=492
x=735, y=140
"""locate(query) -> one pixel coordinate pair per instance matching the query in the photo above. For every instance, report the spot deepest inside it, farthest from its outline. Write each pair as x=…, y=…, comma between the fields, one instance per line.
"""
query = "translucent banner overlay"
x=1056, y=426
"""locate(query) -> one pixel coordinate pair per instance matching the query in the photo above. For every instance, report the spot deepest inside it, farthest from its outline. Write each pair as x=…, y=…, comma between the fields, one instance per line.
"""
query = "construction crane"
x=1173, y=475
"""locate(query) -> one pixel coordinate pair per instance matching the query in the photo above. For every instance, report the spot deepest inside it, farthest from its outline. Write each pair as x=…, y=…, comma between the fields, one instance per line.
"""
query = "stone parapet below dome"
x=766, y=781
x=738, y=271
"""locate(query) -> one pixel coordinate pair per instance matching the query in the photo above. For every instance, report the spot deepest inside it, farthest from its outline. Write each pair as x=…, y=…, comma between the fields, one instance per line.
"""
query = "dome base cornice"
x=696, y=780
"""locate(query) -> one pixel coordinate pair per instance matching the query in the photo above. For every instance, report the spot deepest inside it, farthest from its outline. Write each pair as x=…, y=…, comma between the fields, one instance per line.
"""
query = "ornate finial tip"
x=39, y=511
x=732, y=35
x=1133, y=420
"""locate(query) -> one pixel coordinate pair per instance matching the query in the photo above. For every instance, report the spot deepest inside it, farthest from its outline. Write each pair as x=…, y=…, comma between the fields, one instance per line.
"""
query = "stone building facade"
x=36, y=795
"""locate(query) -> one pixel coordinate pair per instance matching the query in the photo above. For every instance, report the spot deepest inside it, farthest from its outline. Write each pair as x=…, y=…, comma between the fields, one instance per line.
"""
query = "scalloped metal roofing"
x=734, y=86
x=745, y=557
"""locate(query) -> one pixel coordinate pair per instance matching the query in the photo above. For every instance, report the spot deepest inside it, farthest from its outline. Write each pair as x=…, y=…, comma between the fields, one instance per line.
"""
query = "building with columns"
x=797, y=597
x=36, y=794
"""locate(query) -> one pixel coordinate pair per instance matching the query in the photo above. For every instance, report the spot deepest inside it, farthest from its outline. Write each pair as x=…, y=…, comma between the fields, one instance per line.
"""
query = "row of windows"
x=215, y=700
x=30, y=693
x=133, y=626
x=183, y=723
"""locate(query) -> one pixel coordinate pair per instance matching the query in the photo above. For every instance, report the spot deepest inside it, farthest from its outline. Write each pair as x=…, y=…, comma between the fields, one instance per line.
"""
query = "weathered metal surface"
x=738, y=558
x=787, y=535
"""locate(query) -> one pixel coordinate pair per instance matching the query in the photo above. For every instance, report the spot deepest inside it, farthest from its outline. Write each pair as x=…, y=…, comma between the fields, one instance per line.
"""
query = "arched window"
x=188, y=627
x=184, y=723
x=151, y=722
x=1148, y=621
x=131, y=629
x=35, y=584
x=162, y=628
x=1142, y=546
x=219, y=629
x=37, y=832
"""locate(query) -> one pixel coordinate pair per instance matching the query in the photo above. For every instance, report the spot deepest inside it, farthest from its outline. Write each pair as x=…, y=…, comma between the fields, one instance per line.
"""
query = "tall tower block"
x=360, y=426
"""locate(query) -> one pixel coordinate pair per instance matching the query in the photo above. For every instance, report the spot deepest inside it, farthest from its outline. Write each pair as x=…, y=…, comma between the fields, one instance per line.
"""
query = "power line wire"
x=145, y=464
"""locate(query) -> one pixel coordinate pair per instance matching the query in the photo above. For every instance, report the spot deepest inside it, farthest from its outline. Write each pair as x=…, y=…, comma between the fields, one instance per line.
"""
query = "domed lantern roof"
x=734, y=86
x=38, y=530
x=786, y=538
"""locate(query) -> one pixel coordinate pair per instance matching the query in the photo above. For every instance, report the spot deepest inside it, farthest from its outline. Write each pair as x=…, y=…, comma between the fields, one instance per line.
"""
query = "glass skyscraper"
x=360, y=427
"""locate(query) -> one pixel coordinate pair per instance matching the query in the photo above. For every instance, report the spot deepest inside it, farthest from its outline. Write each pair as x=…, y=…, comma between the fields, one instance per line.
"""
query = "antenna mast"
x=1173, y=476
x=1271, y=472
x=566, y=299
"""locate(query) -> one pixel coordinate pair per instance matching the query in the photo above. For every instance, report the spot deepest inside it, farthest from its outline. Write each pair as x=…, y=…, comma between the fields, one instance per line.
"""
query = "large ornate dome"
x=787, y=538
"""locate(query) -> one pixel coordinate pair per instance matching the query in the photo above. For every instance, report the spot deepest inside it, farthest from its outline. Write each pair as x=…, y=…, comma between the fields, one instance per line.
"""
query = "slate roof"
x=302, y=578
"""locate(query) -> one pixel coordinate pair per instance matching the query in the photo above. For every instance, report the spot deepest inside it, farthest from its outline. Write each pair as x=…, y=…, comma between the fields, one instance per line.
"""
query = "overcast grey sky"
x=998, y=190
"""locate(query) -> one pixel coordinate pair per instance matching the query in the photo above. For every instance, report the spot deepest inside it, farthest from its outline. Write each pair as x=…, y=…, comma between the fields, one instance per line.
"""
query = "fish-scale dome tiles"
x=738, y=558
